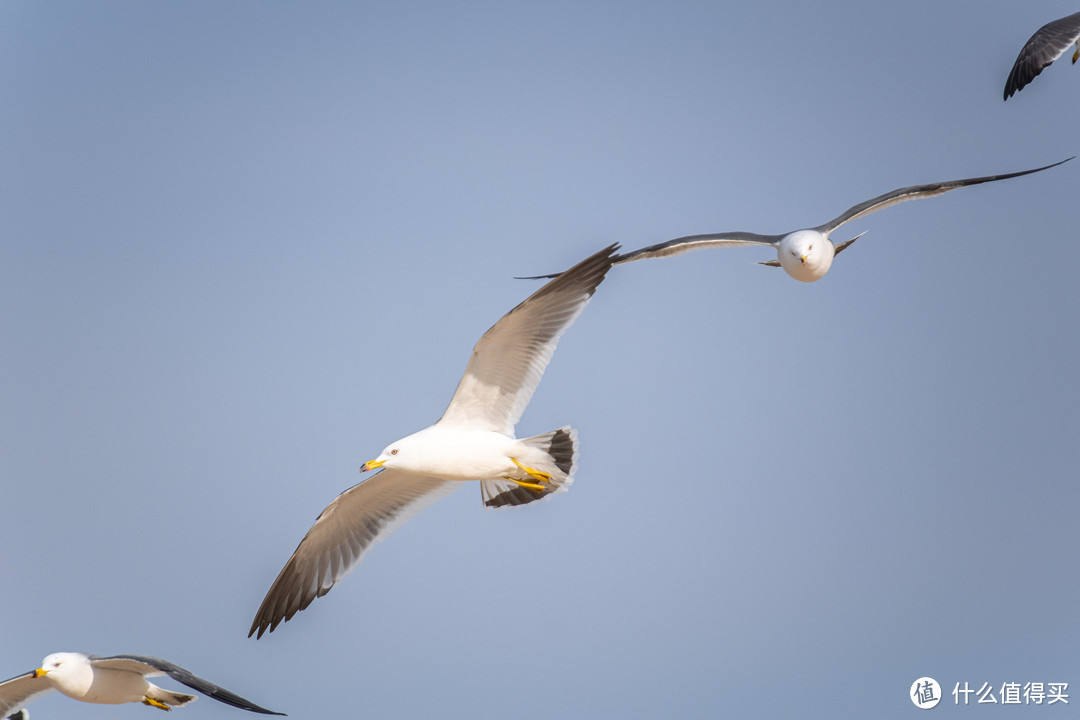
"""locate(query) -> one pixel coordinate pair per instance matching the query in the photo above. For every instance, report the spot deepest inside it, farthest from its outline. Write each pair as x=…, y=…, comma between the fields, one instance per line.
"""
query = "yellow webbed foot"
x=155, y=703
x=540, y=475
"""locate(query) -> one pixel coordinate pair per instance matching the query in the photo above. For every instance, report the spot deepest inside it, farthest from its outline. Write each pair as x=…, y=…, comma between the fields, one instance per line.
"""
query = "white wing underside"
x=129, y=664
x=361, y=516
x=18, y=692
x=507, y=363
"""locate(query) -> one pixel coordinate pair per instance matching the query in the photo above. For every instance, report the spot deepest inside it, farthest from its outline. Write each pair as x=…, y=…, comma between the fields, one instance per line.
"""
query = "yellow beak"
x=39, y=672
x=372, y=465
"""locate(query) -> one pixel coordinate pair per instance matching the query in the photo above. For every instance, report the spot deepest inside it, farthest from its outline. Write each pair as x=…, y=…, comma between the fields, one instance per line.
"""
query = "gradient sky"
x=246, y=245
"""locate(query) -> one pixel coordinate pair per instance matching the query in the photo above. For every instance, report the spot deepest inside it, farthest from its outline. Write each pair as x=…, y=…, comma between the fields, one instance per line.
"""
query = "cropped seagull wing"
x=20, y=691
x=152, y=666
x=343, y=532
x=915, y=192
x=509, y=360
x=1044, y=47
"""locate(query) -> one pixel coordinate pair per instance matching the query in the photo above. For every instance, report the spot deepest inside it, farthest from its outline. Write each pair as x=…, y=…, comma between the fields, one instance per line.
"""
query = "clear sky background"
x=246, y=245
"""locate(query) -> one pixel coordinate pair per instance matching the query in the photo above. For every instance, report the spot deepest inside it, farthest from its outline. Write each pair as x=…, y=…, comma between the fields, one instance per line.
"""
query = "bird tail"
x=168, y=697
x=554, y=454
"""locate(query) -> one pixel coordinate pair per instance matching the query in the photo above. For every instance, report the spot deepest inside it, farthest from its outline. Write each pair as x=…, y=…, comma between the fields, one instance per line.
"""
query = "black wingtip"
x=611, y=251
x=262, y=626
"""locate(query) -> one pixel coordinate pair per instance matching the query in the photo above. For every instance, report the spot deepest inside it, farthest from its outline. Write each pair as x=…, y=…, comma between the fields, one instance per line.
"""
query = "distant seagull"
x=805, y=255
x=474, y=440
x=1047, y=44
x=110, y=680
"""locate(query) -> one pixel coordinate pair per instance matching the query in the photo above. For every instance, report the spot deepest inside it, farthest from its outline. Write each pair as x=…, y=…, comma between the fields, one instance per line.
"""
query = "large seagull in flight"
x=474, y=440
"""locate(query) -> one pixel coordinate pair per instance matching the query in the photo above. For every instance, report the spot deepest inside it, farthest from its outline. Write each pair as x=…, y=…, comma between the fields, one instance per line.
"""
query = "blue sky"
x=246, y=245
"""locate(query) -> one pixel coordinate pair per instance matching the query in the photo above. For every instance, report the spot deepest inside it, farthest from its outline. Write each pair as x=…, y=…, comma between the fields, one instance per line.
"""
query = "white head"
x=401, y=454
x=806, y=255
x=69, y=672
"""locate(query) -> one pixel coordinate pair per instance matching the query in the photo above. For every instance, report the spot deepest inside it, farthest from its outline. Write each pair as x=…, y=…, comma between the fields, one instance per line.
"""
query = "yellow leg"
x=155, y=703
x=540, y=475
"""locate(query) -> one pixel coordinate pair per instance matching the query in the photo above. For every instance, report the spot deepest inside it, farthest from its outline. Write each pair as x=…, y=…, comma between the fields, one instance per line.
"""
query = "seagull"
x=473, y=440
x=1047, y=44
x=110, y=680
x=805, y=255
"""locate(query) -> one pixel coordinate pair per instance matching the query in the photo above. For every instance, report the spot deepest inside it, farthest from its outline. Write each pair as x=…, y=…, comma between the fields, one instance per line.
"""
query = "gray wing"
x=1044, y=47
x=509, y=360
x=698, y=242
x=152, y=666
x=19, y=691
x=681, y=245
x=343, y=532
x=915, y=192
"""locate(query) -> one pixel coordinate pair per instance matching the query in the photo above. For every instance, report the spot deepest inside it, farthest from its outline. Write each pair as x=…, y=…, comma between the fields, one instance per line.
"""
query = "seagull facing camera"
x=807, y=254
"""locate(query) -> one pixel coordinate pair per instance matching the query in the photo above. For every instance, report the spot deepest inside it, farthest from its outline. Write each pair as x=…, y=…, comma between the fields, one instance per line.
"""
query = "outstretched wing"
x=698, y=242
x=152, y=666
x=683, y=244
x=1044, y=47
x=343, y=532
x=19, y=691
x=509, y=360
x=915, y=192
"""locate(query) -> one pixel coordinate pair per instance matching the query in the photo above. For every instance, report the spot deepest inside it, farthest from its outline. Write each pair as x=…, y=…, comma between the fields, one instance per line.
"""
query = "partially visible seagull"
x=110, y=680
x=805, y=255
x=1047, y=44
x=474, y=440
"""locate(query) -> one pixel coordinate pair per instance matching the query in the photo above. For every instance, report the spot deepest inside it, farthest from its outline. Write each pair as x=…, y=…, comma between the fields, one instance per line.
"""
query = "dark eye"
x=394, y=451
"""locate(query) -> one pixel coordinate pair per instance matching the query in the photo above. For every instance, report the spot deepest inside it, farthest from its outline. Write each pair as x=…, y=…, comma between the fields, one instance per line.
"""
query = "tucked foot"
x=535, y=487
x=538, y=487
x=155, y=703
x=533, y=472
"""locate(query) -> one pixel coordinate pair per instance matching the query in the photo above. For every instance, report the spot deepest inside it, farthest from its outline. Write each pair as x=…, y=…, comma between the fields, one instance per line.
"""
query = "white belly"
x=110, y=687
x=455, y=454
